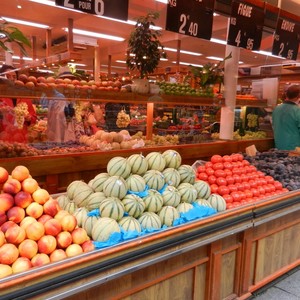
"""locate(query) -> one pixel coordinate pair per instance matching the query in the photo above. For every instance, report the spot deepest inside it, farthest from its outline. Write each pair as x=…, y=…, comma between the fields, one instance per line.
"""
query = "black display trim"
x=59, y=281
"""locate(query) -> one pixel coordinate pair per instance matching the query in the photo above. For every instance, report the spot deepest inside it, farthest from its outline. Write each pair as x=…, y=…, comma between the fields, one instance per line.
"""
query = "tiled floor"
x=287, y=287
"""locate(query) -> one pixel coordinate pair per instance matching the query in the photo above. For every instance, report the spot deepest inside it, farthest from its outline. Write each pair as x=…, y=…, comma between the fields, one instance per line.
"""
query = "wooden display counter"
x=225, y=256
x=56, y=172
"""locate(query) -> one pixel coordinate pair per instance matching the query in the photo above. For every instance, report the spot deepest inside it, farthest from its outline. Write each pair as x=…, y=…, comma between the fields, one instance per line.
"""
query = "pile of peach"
x=34, y=230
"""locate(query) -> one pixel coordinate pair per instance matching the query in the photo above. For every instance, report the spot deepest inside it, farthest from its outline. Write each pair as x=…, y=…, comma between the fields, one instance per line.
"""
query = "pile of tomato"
x=236, y=180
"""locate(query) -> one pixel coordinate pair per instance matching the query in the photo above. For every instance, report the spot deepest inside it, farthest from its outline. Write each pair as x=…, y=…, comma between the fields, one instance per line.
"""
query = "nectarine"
x=3, y=175
x=20, y=173
x=28, y=248
x=58, y=255
x=8, y=254
x=22, y=264
x=47, y=244
x=23, y=199
x=6, y=202
x=5, y=270
x=40, y=196
x=15, y=214
x=40, y=259
x=29, y=185
x=11, y=186
x=35, y=231
x=15, y=235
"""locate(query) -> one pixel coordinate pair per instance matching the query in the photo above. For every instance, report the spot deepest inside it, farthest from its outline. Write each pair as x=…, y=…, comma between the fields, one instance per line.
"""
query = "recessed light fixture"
x=183, y=51
x=187, y=64
x=121, y=61
x=218, y=41
x=76, y=64
x=22, y=22
x=24, y=58
x=19, y=6
x=116, y=67
x=96, y=34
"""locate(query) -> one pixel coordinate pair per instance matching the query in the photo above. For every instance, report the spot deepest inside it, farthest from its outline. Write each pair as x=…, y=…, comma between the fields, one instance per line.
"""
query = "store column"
x=230, y=83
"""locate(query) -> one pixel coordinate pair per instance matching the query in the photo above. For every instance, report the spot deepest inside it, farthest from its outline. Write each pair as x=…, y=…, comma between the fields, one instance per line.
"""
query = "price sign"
x=286, y=38
x=191, y=17
x=117, y=9
x=246, y=25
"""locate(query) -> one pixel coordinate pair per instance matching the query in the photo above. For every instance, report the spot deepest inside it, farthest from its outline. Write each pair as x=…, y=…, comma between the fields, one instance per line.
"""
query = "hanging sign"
x=286, y=38
x=246, y=25
x=191, y=17
x=116, y=9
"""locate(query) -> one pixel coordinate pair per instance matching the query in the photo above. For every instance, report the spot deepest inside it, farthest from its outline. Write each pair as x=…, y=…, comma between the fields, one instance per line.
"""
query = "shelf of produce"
x=56, y=172
x=207, y=257
x=252, y=103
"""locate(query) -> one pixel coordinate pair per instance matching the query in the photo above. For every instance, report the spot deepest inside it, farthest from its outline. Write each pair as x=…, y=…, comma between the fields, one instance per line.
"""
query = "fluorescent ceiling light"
x=24, y=58
x=116, y=67
x=215, y=58
x=38, y=25
x=96, y=35
x=121, y=61
x=183, y=51
x=163, y=59
x=268, y=54
x=76, y=64
x=187, y=64
x=218, y=41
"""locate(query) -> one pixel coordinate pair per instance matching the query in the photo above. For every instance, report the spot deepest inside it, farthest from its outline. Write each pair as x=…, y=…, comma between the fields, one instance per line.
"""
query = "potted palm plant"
x=144, y=50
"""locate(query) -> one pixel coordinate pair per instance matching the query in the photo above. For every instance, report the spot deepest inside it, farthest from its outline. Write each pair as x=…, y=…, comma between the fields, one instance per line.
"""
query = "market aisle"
x=284, y=288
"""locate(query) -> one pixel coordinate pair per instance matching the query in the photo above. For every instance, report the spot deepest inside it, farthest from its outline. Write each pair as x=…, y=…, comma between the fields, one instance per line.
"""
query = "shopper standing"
x=286, y=121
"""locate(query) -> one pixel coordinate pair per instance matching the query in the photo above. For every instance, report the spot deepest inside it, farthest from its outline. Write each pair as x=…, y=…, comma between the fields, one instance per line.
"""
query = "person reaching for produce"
x=16, y=114
x=286, y=121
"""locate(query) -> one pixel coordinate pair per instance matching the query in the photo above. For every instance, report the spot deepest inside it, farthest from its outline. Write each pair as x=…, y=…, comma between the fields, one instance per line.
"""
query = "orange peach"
x=73, y=250
x=5, y=270
x=20, y=173
x=6, y=202
x=35, y=210
x=2, y=238
x=44, y=218
x=11, y=186
x=7, y=225
x=15, y=235
x=29, y=185
x=26, y=221
x=51, y=207
x=3, y=175
x=88, y=246
x=68, y=223
x=23, y=199
x=40, y=259
x=3, y=217
x=8, y=254
x=52, y=227
x=28, y=248
x=35, y=231
x=40, y=196
x=47, y=244
x=79, y=236
x=15, y=214
x=22, y=264
x=64, y=239
x=58, y=255
x=61, y=214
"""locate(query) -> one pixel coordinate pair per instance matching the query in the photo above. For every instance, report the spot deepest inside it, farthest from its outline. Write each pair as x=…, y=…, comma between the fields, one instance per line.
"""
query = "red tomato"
x=261, y=190
x=216, y=158
x=229, y=179
x=239, y=164
x=253, y=168
x=232, y=188
x=255, y=192
x=254, y=175
x=227, y=172
x=236, y=204
x=278, y=185
x=242, y=170
x=272, y=187
x=221, y=181
x=244, y=177
x=220, y=173
x=202, y=176
x=227, y=165
x=234, y=157
x=260, y=174
x=201, y=169
x=236, y=171
x=245, y=162
x=223, y=190
x=236, y=178
x=246, y=185
x=248, y=193
x=269, y=179
x=218, y=166
x=240, y=156
x=229, y=205
x=209, y=171
x=242, y=195
x=211, y=179
x=214, y=188
x=235, y=196
x=263, y=181
x=208, y=164
x=240, y=186
x=252, y=183
x=226, y=158
x=227, y=198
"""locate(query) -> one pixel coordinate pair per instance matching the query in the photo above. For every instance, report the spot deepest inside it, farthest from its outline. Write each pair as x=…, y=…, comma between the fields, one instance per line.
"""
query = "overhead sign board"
x=286, y=38
x=191, y=17
x=246, y=25
x=116, y=9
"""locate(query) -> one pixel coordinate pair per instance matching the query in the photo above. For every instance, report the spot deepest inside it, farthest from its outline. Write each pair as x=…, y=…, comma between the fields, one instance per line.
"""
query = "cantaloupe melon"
x=150, y=220
x=171, y=196
x=112, y=207
x=172, y=176
x=154, y=179
x=155, y=161
x=133, y=205
x=81, y=195
x=97, y=182
x=103, y=228
x=188, y=192
x=184, y=207
x=172, y=159
x=94, y=200
x=187, y=174
x=115, y=186
x=138, y=163
x=153, y=201
x=168, y=214
x=217, y=202
x=203, y=189
x=118, y=166
x=136, y=183
x=130, y=224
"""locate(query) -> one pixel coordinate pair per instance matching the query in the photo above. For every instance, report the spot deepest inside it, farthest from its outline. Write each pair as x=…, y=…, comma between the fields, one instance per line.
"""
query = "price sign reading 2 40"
x=117, y=9
x=190, y=17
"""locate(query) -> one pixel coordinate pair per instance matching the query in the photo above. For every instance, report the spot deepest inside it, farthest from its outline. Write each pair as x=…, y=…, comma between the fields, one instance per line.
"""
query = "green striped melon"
x=81, y=194
x=136, y=183
x=172, y=176
x=171, y=196
x=63, y=200
x=187, y=174
x=94, y=200
x=203, y=189
x=155, y=161
x=115, y=186
x=217, y=202
x=130, y=224
x=81, y=215
x=168, y=214
x=138, y=163
x=153, y=201
x=119, y=166
x=187, y=192
x=88, y=224
x=150, y=220
x=97, y=183
x=72, y=188
x=133, y=205
x=112, y=207
x=71, y=207
x=172, y=158
x=203, y=202
x=103, y=228
x=184, y=207
x=154, y=179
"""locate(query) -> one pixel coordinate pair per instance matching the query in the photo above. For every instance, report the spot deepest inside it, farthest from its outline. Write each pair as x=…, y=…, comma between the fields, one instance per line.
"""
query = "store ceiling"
x=57, y=19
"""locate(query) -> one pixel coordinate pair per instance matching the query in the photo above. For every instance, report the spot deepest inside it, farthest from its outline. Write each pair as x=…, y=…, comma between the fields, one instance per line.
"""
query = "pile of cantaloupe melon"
x=137, y=193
